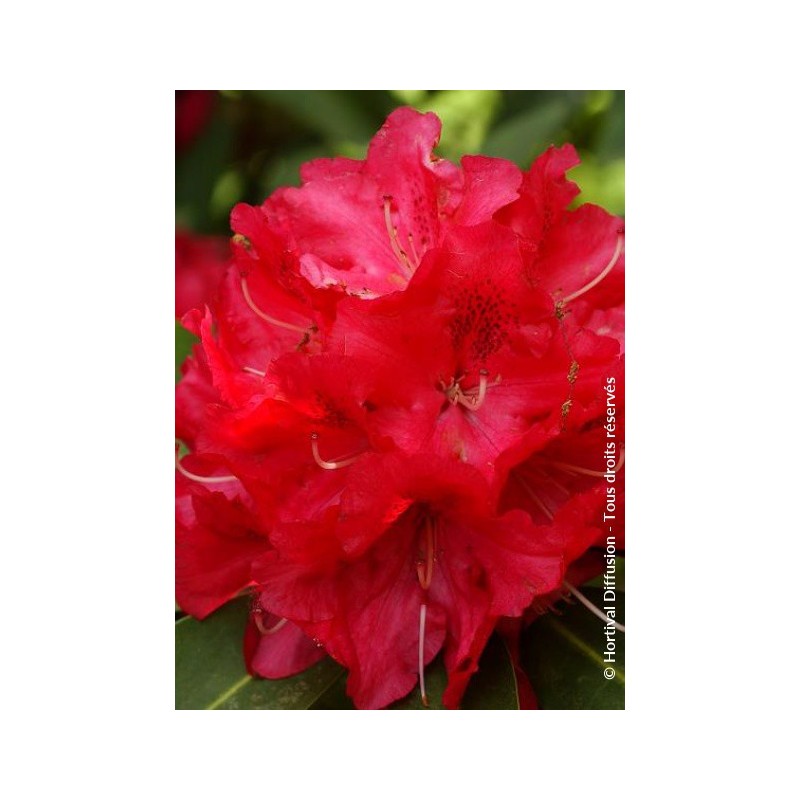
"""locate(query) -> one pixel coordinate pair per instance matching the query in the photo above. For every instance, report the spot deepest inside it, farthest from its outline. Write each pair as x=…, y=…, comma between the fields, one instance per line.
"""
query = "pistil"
x=423, y=611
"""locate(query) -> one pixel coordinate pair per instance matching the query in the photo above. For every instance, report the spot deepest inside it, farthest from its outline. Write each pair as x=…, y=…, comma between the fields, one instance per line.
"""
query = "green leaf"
x=334, y=698
x=466, y=117
x=610, y=143
x=492, y=687
x=184, y=341
x=284, y=168
x=435, y=682
x=619, y=576
x=336, y=115
x=197, y=173
x=527, y=134
x=563, y=656
x=210, y=671
x=410, y=97
x=602, y=184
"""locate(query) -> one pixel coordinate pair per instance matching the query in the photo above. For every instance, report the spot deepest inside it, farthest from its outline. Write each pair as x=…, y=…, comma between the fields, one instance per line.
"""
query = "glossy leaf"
x=563, y=656
x=210, y=671
x=435, y=682
x=493, y=686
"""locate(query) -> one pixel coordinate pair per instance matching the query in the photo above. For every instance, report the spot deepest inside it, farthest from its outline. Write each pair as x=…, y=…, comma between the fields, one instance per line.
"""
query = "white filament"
x=602, y=275
x=423, y=610
x=266, y=317
x=593, y=608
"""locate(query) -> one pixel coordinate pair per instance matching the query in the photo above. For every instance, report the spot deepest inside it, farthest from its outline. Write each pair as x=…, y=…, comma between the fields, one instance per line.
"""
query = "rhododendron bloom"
x=395, y=411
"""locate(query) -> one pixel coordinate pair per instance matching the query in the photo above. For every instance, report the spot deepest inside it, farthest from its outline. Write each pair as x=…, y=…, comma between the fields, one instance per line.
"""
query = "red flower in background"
x=193, y=110
x=395, y=412
x=200, y=264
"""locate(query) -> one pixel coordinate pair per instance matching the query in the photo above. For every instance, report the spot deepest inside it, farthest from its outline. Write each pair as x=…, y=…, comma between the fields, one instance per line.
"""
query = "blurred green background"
x=241, y=145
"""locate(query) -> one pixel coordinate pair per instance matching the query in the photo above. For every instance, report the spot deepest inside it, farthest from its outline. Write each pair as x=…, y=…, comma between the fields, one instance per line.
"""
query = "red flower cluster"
x=395, y=414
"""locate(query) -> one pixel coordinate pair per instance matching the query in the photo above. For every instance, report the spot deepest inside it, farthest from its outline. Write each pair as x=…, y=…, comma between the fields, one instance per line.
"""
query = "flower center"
x=471, y=398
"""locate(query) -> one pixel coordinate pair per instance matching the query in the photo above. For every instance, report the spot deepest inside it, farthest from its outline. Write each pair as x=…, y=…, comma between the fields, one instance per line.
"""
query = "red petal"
x=281, y=654
x=215, y=544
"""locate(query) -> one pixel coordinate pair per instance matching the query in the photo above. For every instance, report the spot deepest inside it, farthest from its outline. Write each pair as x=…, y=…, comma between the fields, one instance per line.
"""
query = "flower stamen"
x=471, y=398
x=535, y=497
x=202, y=478
x=425, y=568
x=253, y=371
x=266, y=317
x=263, y=629
x=474, y=402
x=595, y=281
x=345, y=462
x=593, y=608
x=560, y=486
x=398, y=251
x=590, y=472
x=423, y=610
x=413, y=249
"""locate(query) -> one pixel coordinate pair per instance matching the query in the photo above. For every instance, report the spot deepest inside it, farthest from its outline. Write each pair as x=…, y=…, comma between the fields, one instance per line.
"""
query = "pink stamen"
x=202, y=478
x=266, y=317
x=593, y=608
x=608, y=268
x=345, y=462
x=255, y=372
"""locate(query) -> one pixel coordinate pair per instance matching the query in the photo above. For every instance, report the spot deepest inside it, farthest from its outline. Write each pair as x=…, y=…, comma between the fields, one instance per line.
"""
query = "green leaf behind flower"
x=210, y=671
x=563, y=656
